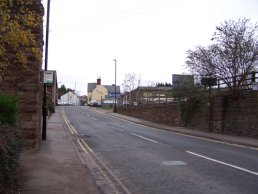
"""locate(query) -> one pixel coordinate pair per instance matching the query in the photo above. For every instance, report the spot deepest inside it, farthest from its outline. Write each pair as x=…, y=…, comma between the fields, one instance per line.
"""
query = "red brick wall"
x=25, y=83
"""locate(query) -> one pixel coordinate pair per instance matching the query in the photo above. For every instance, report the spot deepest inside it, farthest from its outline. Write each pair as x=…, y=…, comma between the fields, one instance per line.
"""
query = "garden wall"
x=24, y=82
x=165, y=114
x=238, y=116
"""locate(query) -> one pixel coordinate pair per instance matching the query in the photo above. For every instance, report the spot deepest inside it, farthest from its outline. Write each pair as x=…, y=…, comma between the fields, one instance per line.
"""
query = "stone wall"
x=24, y=82
x=238, y=116
x=166, y=114
x=199, y=118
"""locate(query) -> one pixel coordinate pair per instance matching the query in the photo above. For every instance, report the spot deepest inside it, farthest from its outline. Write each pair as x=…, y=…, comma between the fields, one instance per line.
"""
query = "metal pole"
x=210, y=113
x=115, y=87
x=44, y=123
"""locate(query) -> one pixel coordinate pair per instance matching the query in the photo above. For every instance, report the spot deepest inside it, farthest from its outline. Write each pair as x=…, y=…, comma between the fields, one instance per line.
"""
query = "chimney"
x=99, y=81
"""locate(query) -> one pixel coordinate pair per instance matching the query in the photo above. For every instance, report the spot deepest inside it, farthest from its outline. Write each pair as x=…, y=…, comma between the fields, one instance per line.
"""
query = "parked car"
x=95, y=103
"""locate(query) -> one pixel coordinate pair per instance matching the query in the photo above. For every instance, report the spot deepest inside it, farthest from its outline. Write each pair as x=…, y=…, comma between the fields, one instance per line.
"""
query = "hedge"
x=10, y=144
x=8, y=110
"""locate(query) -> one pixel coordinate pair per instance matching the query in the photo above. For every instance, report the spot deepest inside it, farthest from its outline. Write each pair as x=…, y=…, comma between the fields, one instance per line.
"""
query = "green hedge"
x=10, y=144
x=8, y=110
x=10, y=147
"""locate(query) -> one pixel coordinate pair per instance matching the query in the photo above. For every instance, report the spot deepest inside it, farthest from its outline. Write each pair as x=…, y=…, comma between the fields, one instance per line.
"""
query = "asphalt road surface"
x=125, y=157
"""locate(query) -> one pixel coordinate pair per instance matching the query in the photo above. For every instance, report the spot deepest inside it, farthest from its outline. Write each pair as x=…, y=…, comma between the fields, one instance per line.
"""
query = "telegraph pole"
x=115, y=86
x=44, y=122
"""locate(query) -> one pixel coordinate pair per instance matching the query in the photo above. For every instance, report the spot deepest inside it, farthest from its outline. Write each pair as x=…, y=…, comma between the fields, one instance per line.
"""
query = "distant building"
x=144, y=94
x=70, y=99
x=181, y=81
x=102, y=93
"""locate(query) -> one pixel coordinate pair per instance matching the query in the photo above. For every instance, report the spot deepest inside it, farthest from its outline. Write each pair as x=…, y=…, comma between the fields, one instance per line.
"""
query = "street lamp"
x=115, y=86
x=44, y=122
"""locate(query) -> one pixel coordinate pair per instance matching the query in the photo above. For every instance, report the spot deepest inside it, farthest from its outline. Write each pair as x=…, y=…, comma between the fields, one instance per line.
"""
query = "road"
x=125, y=157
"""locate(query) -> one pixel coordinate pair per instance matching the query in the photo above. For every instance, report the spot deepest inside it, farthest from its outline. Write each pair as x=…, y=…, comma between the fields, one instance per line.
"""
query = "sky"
x=146, y=37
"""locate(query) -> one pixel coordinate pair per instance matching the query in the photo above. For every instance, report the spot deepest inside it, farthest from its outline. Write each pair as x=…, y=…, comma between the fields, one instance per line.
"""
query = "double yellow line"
x=84, y=146
x=97, y=163
x=73, y=131
x=69, y=125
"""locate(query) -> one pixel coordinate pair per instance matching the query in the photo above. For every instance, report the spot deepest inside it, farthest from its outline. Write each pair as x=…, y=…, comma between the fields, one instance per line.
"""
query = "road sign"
x=48, y=77
x=255, y=86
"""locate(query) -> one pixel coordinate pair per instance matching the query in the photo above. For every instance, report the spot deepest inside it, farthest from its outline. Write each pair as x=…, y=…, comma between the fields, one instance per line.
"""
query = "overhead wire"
x=114, y=17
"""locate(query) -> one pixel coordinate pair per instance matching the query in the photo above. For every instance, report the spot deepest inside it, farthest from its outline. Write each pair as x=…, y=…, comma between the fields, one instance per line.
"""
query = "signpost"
x=255, y=86
x=209, y=81
x=44, y=120
x=48, y=77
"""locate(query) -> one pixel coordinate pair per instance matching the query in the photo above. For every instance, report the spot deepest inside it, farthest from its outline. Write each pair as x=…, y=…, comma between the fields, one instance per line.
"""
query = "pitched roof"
x=91, y=86
x=110, y=88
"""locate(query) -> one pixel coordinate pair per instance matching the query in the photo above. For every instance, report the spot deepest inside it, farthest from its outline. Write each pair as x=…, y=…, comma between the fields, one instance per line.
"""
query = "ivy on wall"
x=18, y=33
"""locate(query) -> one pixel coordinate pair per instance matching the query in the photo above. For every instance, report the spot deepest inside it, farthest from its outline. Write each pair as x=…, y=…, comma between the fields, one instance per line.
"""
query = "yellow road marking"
x=71, y=128
x=96, y=165
x=86, y=145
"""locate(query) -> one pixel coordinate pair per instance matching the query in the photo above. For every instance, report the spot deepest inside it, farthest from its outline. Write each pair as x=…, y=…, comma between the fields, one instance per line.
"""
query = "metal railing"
x=240, y=81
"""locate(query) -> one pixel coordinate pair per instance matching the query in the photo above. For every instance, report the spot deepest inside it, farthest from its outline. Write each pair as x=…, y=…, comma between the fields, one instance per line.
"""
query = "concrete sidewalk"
x=56, y=167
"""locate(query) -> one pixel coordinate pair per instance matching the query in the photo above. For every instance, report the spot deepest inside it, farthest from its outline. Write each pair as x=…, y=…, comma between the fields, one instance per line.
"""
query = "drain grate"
x=173, y=163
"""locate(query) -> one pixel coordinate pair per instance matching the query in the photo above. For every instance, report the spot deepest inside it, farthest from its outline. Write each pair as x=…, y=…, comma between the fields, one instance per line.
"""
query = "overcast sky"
x=147, y=37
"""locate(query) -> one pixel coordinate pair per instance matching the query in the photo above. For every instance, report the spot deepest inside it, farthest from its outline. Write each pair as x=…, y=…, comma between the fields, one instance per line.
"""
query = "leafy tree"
x=63, y=90
x=18, y=36
x=232, y=55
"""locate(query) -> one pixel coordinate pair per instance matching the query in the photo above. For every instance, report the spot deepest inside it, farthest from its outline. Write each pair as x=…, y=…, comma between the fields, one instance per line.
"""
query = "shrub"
x=8, y=110
x=51, y=107
x=10, y=147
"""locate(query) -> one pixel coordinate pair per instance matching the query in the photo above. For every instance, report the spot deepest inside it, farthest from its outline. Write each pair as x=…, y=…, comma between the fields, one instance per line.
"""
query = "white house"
x=70, y=99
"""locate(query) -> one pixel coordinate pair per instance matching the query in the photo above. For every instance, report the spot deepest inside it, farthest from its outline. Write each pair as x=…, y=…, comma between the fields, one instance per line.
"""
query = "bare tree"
x=232, y=56
x=150, y=83
x=130, y=82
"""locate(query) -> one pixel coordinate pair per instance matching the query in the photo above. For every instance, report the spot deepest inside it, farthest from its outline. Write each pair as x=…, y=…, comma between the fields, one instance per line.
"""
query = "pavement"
x=57, y=168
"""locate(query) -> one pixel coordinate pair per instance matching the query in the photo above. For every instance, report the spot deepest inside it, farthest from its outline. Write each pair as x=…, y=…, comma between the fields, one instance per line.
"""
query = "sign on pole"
x=48, y=77
x=255, y=86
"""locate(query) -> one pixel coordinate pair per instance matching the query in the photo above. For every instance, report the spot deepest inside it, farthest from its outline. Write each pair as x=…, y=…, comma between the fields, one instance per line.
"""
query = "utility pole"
x=44, y=122
x=115, y=86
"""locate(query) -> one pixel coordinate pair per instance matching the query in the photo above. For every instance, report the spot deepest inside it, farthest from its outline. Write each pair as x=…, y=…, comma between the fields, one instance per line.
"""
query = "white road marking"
x=186, y=135
x=144, y=138
x=103, y=123
x=119, y=129
x=224, y=163
x=173, y=163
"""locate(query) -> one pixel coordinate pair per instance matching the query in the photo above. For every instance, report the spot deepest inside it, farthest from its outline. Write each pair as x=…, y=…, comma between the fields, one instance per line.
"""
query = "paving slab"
x=55, y=167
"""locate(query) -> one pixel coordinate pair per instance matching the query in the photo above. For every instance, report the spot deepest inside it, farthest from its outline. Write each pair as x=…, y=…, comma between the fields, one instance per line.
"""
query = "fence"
x=240, y=81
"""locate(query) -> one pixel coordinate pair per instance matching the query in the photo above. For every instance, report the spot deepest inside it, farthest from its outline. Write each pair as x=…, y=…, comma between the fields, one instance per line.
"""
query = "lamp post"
x=44, y=122
x=115, y=86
